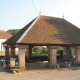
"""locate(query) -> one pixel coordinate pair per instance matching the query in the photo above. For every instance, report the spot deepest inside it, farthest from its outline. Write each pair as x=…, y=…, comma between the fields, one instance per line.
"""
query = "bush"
x=38, y=51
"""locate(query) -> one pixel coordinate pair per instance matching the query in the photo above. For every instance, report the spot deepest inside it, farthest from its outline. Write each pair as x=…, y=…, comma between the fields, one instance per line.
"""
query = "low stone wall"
x=65, y=64
x=39, y=64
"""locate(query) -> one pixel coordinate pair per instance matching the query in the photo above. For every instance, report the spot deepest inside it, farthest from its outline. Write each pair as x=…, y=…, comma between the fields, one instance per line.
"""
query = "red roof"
x=4, y=34
x=47, y=30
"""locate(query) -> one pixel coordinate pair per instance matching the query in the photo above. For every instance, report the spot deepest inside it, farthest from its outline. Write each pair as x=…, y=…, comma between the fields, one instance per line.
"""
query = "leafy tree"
x=26, y=52
x=36, y=51
x=14, y=32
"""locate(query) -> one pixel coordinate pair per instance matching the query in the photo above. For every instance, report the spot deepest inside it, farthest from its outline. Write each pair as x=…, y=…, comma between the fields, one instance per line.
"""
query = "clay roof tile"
x=4, y=34
x=47, y=30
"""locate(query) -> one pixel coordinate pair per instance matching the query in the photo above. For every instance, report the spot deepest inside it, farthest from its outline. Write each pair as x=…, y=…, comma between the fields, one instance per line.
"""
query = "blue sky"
x=15, y=14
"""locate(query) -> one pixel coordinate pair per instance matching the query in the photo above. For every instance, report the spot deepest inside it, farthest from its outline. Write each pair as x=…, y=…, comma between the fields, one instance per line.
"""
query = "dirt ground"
x=43, y=74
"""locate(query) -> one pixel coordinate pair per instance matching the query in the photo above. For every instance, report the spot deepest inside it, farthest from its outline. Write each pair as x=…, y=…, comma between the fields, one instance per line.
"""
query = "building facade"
x=3, y=37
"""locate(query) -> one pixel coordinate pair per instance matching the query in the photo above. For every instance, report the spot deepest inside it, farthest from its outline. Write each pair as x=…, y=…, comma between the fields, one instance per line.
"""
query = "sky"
x=15, y=14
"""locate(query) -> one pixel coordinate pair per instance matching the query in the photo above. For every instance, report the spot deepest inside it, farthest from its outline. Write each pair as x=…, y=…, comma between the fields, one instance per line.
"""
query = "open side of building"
x=43, y=31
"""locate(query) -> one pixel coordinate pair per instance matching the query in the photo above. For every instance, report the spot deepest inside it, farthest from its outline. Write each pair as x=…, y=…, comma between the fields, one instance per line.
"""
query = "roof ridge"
x=27, y=30
x=52, y=17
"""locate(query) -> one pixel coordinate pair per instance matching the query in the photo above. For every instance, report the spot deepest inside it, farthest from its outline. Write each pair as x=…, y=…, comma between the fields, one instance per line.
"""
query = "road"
x=43, y=74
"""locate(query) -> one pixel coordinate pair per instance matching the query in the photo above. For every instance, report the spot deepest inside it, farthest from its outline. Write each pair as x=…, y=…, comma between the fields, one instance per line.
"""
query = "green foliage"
x=44, y=50
x=26, y=52
x=14, y=32
x=39, y=51
x=36, y=51
x=60, y=51
x=73, y=50
x=60, y=48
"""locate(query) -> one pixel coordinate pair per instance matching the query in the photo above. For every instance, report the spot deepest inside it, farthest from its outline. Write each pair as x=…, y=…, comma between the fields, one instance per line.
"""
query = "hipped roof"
x=47, y=30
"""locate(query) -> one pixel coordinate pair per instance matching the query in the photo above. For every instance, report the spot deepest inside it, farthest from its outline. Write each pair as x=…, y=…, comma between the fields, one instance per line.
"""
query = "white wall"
x=1, y=46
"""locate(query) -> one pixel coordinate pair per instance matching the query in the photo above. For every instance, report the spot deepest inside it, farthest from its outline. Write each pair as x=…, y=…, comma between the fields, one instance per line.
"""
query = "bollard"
x=66, y=63
x=58, y=66
x=69, y=65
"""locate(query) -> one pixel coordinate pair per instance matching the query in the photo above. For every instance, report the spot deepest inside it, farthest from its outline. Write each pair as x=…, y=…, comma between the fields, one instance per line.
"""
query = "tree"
x=14, y=32
x=39, y=51
x=36, y=51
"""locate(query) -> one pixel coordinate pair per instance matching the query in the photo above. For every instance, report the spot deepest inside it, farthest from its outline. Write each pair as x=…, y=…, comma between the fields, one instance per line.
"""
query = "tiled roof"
x=47, y=30
x=4, y=34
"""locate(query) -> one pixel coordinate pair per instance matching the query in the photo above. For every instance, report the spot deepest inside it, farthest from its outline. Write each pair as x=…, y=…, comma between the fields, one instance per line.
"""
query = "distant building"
x=3, y=37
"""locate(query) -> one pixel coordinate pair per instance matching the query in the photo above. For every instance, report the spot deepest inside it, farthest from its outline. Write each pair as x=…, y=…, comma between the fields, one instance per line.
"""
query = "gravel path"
x=59, y=74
